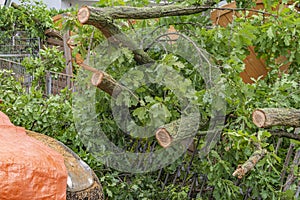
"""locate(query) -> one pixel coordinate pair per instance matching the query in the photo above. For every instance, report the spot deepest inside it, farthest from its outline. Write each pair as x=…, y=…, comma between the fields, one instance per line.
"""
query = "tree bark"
x=53, y=33
x=250, y=163
x=102, y=18
x=179, y=131
x=16, y=6
x=106, y=83
x=90, y=16
x=268, y=117
x=285, y=134
x=127, y=12
x=103, y=80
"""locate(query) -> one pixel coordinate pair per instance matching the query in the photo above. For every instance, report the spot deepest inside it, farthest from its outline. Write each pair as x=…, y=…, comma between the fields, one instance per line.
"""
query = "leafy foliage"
x=31, y=16
x=50, y=59
x=272, y=36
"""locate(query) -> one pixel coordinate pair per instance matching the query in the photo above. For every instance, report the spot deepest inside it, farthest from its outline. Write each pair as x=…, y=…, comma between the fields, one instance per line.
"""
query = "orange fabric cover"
x=29, y=170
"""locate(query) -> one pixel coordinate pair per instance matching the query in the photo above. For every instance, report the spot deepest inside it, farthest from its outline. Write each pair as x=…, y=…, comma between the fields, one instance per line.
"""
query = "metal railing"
x=18, y=44
x=19, y=72
x=55, y=82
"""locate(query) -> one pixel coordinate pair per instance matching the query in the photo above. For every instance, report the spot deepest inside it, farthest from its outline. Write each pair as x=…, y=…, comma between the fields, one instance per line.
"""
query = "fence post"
x=48, y=83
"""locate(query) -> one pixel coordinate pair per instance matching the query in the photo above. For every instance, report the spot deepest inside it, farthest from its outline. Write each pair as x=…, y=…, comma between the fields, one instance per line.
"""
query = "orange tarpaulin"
x=29, y=170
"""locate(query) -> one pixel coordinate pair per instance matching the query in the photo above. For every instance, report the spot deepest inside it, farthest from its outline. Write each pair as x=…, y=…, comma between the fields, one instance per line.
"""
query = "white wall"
x=73, y=3
x=63, y=4
x=50, y=3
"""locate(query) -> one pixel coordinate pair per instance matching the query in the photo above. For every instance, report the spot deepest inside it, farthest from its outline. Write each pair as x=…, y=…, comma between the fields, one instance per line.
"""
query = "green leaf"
x=270, y=33
x=141, y=113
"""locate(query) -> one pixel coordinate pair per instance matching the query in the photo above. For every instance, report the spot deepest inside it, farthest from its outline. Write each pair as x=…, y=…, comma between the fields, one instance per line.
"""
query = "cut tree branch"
x=102, y=18
x=268, y=117
x=105, y=82
x=90, y=16
x=127, y=12
x=250, y=163
x=16, y=6
x=181, y=130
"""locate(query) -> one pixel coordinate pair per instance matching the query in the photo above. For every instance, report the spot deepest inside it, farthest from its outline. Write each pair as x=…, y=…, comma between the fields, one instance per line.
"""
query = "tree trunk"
x=250, y=163
x=268, y=117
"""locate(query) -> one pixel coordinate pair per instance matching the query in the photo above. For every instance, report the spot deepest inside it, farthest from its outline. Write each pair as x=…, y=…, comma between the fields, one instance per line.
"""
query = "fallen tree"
x=102, y=18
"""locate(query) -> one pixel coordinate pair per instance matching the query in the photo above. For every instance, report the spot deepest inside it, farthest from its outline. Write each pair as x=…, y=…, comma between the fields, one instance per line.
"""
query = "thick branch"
x=250, y=163
x=105, y=82
x=127, y=12
x=90, y=16
x=181, y=130
x=166, y=134
x=53, y=33
x=16, y=6
x=268, y=117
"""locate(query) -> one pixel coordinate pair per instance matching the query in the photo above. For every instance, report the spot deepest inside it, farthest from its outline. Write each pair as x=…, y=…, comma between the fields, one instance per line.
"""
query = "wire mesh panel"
x=55, y=82
x=18, y=44
x=14, y=47
x=19, y=71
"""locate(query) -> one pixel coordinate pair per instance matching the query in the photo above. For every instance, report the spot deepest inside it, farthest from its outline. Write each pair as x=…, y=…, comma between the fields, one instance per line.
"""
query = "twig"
x=209, y=81
x=90, y=46
x=286, y=162
x=285, y=134
x=291, y=177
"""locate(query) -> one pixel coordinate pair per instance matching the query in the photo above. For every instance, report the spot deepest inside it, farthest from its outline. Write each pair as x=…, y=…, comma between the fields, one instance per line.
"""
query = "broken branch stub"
x=104, y=81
